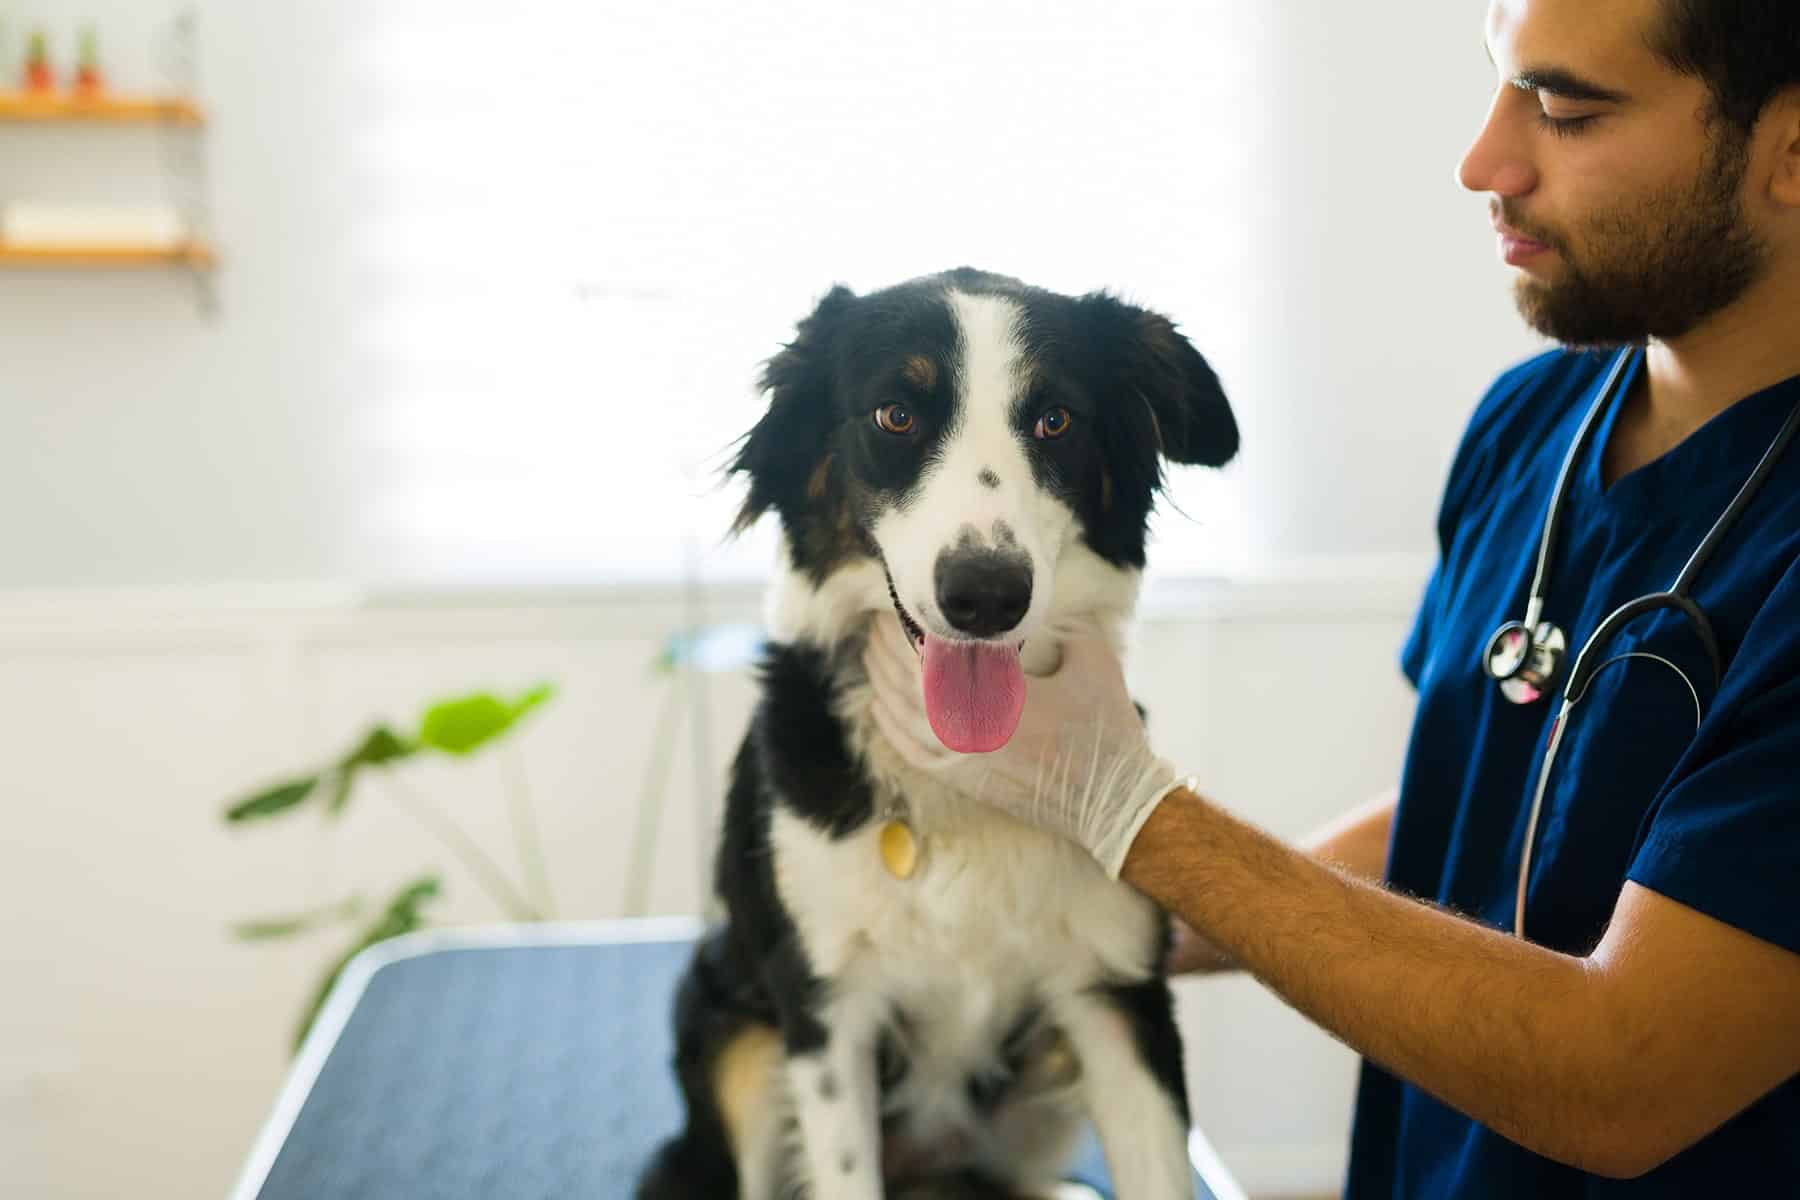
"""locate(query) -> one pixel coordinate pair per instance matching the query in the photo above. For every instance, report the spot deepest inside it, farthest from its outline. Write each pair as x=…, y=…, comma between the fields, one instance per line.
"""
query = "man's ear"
x=1783, y=114
x=785, y=450
x=1175, y=391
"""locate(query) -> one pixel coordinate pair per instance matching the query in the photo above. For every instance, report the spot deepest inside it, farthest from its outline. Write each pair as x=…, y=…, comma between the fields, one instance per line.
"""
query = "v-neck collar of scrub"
x=1715, y=458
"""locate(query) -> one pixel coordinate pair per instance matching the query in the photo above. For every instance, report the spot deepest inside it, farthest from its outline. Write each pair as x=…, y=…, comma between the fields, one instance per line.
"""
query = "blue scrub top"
x=1710, y=820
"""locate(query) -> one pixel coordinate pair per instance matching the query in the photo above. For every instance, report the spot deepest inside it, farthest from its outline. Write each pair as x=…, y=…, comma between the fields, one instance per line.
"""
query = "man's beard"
x=1654, y=269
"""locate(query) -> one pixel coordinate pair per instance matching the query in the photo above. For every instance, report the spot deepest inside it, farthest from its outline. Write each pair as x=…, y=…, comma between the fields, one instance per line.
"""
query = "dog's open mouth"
x=914, y=633
x=974, y=691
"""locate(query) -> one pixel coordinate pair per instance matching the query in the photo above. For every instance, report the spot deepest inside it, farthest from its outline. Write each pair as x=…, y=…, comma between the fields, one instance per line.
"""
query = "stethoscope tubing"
x=1540, y=579
x=1678, y=597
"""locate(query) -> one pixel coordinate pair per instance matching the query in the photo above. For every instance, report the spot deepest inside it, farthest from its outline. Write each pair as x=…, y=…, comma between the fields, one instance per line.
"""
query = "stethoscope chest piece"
x=1525, y=660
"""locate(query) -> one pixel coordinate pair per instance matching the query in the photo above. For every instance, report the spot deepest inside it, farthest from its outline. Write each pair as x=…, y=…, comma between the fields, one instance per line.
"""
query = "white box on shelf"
x=156, y=226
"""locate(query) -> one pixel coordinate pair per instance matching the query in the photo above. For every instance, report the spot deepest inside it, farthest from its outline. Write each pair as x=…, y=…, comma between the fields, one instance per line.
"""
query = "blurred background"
x=389, y=354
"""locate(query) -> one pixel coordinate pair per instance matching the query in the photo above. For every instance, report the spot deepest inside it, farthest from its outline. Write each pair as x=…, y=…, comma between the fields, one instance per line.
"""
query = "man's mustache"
x=1506, y=214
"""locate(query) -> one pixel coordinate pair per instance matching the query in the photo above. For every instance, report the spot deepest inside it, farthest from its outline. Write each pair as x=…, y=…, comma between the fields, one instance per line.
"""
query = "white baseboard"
x=1287, y=1169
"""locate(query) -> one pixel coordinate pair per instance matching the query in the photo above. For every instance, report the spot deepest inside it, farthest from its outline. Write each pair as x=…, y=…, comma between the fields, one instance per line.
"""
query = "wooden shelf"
x=104, y=109
x=195, y=254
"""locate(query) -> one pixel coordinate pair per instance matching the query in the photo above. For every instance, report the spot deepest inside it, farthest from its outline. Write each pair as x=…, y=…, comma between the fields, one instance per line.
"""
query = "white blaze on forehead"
x=988, y=375
x=990, y=360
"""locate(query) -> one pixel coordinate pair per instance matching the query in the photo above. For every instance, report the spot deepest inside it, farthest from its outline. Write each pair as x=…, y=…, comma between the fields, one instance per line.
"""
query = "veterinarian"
x=1635, y=1015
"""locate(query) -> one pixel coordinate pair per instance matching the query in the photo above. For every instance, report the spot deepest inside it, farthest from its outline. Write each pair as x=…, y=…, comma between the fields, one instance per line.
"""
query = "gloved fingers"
x=918, y=746
x=889, y=640
x=1087, y=690
x=894, y=674
x=1088, y=656
x=898, y=706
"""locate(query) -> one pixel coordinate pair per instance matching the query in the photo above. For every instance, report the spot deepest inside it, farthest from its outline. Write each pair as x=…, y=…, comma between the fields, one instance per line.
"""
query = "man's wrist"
x=1148, y=850
x=1131, y=835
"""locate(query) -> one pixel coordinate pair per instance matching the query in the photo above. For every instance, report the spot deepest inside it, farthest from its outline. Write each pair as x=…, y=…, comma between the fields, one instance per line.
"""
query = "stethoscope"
x=1525, y=656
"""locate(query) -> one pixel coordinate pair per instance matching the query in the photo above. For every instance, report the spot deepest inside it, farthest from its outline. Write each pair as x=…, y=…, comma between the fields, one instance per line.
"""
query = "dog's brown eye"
x=894, y=418
x=1053, y=424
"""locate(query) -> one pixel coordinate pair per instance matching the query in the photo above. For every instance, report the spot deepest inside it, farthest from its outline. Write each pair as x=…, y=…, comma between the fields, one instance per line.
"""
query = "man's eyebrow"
x=1566, y=85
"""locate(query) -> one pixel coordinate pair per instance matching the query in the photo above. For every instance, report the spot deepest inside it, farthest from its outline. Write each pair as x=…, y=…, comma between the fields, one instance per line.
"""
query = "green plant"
x=457, y=727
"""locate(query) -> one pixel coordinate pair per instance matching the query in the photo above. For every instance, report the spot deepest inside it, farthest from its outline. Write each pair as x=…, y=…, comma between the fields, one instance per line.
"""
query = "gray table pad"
x=489, y=1070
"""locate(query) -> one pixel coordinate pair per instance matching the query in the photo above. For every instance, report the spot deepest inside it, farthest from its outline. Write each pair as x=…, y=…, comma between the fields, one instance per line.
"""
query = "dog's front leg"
x=1130, y=1054
x=837, y=1098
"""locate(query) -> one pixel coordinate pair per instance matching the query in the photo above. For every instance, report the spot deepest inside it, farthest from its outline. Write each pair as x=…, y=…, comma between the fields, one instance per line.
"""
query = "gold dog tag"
x=899, y=849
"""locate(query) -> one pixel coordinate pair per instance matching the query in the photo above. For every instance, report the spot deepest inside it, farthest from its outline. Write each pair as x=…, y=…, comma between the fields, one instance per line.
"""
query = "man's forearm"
x=1358, y=840
x=1507, y=1032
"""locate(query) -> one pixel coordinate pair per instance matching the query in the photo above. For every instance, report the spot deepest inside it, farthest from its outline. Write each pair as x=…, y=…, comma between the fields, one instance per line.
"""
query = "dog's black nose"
x=983, y=594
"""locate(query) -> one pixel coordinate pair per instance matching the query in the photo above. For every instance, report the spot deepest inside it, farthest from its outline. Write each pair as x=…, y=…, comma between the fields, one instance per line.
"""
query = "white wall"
x=140, y=444
x=1344, y=285
x=140, y=1047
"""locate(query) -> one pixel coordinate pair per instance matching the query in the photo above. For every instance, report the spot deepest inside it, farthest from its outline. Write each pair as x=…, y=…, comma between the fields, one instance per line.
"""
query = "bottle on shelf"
x=89, y=83
x=39, y=77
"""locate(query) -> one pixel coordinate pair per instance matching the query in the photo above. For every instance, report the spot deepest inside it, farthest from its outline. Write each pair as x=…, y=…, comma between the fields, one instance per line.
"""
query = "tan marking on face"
x=815, y=485
x=920, y=371
x=743, y=1081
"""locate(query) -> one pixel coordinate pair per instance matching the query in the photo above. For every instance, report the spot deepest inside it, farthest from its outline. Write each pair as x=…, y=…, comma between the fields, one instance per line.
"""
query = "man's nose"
x=1499, y=161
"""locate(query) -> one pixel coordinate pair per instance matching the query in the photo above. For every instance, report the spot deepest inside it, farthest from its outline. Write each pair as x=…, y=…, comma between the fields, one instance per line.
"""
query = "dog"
x=911, y=994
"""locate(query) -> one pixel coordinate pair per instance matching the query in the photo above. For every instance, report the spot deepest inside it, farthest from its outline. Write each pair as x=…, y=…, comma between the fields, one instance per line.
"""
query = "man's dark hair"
x=1745, y=50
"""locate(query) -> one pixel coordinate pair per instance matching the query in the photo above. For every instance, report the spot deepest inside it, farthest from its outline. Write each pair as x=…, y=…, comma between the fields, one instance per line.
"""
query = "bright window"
x=588, y=224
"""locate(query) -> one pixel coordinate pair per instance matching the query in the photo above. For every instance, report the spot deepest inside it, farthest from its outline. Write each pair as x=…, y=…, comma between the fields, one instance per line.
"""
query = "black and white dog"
x=912, y=994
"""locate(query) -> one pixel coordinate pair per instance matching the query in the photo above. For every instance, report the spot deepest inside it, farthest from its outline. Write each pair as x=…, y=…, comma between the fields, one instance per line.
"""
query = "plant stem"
x=525, y=830
x=486, y=872
x=649, y=814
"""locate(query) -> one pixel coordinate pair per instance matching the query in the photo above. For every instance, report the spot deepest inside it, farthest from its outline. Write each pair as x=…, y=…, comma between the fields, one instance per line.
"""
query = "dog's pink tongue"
x=974, y=693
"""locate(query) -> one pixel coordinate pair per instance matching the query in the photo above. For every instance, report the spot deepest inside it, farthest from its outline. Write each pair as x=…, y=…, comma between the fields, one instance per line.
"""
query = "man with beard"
x=1635, y=1013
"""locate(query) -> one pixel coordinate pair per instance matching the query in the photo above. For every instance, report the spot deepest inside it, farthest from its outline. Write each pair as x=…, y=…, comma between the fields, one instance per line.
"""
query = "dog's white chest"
x=955, y=895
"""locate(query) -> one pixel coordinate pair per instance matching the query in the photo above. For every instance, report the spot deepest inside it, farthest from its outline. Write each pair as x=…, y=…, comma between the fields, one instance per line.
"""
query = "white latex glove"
x=1079, y=763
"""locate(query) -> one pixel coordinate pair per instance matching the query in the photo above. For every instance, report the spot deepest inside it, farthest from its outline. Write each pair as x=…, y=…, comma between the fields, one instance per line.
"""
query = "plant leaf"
x=467, y=723
x=341, y=780
x=408, y=900
x=273, y=800
x=460, y=726
x=401, y=916
x=531, y=699
x=379, y=747
x=269, y=928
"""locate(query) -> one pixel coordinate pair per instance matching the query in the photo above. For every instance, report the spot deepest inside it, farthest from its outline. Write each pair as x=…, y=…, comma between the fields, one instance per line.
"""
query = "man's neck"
x=1752, y=345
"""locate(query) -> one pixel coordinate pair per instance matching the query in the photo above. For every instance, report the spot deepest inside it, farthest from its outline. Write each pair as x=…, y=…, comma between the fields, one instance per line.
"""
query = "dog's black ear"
x=1192, y=414
x=785, y=450
x=1191, y=420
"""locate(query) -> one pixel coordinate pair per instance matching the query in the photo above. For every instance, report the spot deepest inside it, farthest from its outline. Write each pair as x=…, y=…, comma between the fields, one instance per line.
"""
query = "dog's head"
x=983, y=455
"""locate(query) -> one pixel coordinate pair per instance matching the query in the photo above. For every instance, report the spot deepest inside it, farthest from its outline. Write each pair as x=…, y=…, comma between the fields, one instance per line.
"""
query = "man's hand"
x=1610, y=1063
x=1192, y=954
x=1079, y=763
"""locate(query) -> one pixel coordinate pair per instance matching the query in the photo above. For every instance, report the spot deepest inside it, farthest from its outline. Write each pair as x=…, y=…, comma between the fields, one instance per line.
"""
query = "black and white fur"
x=849, y=1034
